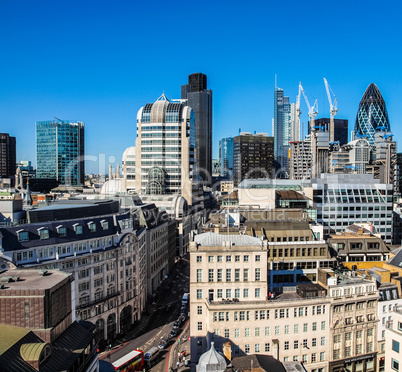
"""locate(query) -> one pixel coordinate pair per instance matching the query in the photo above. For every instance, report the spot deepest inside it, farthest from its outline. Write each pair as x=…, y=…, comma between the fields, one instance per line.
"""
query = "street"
x=161, y=321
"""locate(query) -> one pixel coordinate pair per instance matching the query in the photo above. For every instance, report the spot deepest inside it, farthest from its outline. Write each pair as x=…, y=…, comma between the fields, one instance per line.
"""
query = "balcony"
x=96, y=302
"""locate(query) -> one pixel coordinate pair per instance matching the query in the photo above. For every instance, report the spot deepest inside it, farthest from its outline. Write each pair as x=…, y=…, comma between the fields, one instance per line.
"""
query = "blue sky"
x=100, y=61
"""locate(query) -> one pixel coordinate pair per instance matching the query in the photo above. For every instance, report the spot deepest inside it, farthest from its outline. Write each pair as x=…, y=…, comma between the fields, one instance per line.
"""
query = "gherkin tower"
x=372, y=114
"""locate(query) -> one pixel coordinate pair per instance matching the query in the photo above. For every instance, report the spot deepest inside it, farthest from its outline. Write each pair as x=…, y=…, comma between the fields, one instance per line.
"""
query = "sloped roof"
x=266, y=362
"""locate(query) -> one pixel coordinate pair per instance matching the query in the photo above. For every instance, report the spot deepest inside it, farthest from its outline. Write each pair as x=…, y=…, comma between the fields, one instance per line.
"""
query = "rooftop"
x=31, y=279
x=212, y=239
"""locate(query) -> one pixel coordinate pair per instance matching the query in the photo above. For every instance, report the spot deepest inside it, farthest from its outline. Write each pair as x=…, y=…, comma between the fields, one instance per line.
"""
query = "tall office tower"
x=8, y=155
x=372, y=114
x=226, y=156
x=128, y=164
x=253, y=156
x=300, y=159
x=341, y=131
x=294, y=124
x=60, y=151
x=165, y=149
x=199, y=98
x=282, y=120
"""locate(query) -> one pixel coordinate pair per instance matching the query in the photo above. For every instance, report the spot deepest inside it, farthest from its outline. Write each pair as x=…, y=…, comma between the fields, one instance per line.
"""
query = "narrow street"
x=161, y=320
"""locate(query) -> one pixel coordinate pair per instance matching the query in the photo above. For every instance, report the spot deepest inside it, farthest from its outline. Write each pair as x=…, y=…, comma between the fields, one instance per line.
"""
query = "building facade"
x=128, y=165
x=106, y=256
x=165, y=161
x=8, y=155
x=199, y=98
x=60, y=150
x=226, y=157
x=371, y=114
x=341, y=131
x=253, y=156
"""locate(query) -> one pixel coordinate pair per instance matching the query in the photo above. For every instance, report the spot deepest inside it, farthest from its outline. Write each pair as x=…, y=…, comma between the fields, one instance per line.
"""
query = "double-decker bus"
x=133, y=361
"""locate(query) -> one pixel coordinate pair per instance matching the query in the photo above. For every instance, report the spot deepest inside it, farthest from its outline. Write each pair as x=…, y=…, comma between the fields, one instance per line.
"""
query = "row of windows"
x=351, y=307
x=349, y=335
x=228, y=277
x=358, y=350
x=236, y=292
x=230, y=258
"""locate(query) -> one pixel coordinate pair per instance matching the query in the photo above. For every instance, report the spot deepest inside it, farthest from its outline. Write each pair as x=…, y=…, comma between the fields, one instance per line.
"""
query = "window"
x=348, y=351
x=304, y=358
x=199, y=275
x=267, y=347
x=314, y=326
x=370, y=346
x=92, y=226
x=199, y=293
x=323, y=325
x=210, y=258
x=199, y=326
x=245, y=275
x=257, y=331
x=394, y=364
x=228, y=274
x=323, y=341
x=370, y=331
x=337, y=339
x=313, y=357
x=219, y=258
x=237, y=332
x=277, y=330
x=245, y=292
x=314, y=342
x=237, y=258
x=257, y=275
x=105, y=224
x=295, y=344
x=348, y=336
x=77, y=229
x=257, y=292
x=247, y=348
x=43, y=233
x=305, y=327
x=267, y=331
x=322, y=356
x=287, y=330
x=199, y=258
x=219, y=275
x=337, y=354
x=23, y=236
x=228, y=293
x=395, y=346
x=227, y=333
x=199, y=310
x=257, y=258
x=286, y=345
x=296, y=328
x=359, y=348
x=237, y=275
x=210, y=275
x=305, y=343
x=245, y=258
x=228, y=258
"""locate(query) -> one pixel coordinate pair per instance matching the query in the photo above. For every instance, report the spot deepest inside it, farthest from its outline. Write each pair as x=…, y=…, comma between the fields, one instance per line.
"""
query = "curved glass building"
x=372, y=114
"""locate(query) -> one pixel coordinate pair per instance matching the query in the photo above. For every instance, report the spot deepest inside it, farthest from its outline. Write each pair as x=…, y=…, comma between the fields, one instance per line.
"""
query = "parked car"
x=176, y=324
x=174, y=333
x=151, y=355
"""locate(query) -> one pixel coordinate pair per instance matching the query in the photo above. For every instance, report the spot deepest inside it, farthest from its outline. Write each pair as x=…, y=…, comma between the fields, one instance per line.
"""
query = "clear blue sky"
x=100, y=61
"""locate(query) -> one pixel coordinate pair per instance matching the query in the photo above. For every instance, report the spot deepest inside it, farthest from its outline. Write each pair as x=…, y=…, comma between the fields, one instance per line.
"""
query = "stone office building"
x=105, y=253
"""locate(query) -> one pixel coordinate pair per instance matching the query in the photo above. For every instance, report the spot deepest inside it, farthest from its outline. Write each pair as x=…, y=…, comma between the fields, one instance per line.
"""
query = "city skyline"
x=85, y=63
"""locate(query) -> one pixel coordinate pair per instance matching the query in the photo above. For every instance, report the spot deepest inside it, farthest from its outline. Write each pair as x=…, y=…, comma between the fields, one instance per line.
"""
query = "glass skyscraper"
x=282, y=121
x=226, y=156
x=60, y=151
x=372, y=114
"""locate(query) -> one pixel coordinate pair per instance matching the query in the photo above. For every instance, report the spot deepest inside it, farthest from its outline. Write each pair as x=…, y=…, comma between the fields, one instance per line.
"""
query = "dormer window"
x=77, y=228
x=61, y=230
x=105, y=224
x=23, y=236
x=92, y=226
x=43, y=233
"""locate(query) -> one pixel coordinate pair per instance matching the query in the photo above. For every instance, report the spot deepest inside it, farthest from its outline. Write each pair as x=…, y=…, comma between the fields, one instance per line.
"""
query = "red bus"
x=133, y=361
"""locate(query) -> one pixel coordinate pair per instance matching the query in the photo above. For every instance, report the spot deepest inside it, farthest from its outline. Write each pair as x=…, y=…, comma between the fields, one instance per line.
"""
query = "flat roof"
x=31, y=279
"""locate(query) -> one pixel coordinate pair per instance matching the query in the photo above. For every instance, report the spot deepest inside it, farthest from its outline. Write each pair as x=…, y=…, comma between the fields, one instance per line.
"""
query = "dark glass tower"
x=372, y=114
x=199, y=98
x=8, y=155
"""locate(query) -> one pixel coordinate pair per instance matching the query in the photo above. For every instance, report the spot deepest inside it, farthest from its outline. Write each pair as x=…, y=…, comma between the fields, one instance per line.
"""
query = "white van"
x=151, y=355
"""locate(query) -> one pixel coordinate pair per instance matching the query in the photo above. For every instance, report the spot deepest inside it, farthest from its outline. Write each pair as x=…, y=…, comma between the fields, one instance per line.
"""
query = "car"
x=181, y=319
x=176, y=324
x=174, y=333
x=163, y=343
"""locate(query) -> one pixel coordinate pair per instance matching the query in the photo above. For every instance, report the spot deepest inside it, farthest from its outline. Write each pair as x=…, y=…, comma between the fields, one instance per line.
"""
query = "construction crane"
x=333, y=109
x=312, y=113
